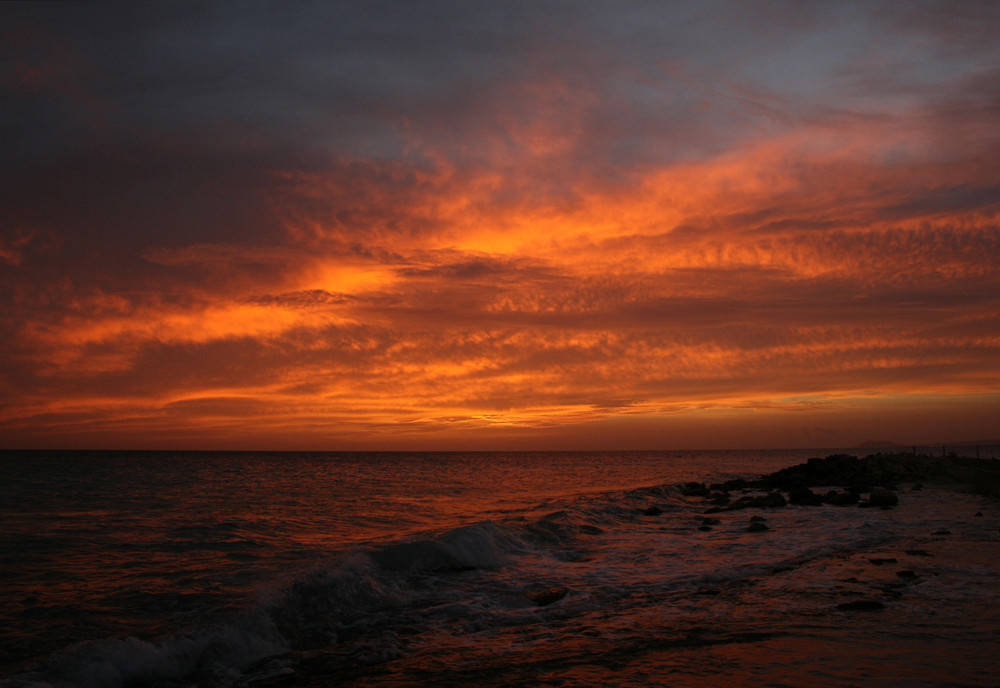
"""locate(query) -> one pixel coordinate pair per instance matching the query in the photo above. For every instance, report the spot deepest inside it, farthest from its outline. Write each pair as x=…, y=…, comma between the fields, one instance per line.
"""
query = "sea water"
x=298, y=569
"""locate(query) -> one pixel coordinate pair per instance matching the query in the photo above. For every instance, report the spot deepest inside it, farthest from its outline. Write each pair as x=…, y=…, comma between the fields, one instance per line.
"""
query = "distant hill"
x=879, y=444
x=974, y=443
x=886, y=444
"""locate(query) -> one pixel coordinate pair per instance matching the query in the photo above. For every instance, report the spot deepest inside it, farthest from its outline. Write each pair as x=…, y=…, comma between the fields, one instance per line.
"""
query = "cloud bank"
x=383, y=225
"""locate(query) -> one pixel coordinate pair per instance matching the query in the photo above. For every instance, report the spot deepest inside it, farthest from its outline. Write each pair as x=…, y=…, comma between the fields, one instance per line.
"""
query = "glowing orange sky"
x=652, y=228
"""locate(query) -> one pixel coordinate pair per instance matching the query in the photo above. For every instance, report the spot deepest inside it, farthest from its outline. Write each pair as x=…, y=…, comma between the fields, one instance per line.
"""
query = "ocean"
x=479, y=569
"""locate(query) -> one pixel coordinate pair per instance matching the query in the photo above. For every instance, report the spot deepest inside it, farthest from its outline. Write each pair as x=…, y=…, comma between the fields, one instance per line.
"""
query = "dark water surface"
x=186, y=568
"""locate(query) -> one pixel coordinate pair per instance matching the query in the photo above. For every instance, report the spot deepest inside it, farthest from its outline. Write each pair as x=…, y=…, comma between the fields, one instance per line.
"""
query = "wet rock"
x=653, y=511
x=757, y=527
x=881, y=497
x=730, y=485
x=879, y=561
x=803, y=496
x=772, y=500
x=720, y=499
x=861, y=606
x=547, y=597
x=841, y=498
x=694, y=489
x=444, y=570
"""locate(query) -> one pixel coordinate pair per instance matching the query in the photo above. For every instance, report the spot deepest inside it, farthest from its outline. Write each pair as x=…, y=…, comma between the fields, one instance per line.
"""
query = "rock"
x=941, y=532
x=860, y=474
x=906, y=573
x=704, y=528
x=803, y=496
x=547, y=597
x=653, y=511
x=720, y=499
x=757, y=527
x=710, y=521
x=757, y=519
x=694, y=489
x=918, y=553
x=878, y=561
x=979, y=513
x=773, y=500
x=882, y=497
x=861, y=606
x=730, y=485
x=769, y=501
x=841, y=498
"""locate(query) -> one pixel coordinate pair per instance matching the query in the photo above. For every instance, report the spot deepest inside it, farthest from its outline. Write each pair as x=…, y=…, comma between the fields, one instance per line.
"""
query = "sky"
x=499, y=225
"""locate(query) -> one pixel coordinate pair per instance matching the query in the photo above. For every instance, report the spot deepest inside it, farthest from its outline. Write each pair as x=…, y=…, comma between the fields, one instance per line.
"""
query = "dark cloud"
x=312, y=298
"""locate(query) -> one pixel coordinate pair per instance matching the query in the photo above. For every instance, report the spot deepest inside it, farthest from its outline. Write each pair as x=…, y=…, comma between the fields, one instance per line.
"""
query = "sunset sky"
x=499, y=225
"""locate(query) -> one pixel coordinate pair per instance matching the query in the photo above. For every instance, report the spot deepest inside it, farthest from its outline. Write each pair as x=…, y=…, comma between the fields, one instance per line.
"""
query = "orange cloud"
x=445, y=302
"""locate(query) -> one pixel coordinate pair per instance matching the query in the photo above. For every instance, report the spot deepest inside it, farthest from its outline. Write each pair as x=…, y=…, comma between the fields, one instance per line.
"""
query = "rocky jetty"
x=859, y=475
x=878, y=476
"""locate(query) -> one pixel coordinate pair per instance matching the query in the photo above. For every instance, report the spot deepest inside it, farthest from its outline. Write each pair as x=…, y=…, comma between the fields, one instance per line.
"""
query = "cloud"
x=12, y=248
x=381, y=221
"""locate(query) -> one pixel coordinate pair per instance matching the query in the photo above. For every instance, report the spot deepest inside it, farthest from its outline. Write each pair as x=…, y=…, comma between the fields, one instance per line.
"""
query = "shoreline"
x=891, y=558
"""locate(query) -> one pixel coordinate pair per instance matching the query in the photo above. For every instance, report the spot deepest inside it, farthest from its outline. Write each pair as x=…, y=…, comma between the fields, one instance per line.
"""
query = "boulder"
x=547, y=597
x=694, y=489
x=757, y=527
x=720, y=498
x=653, y=511
x=769, y=501
x=861, y=606
x=881, y=497
x=803, y=496
x=730, y=485
x=841, y=498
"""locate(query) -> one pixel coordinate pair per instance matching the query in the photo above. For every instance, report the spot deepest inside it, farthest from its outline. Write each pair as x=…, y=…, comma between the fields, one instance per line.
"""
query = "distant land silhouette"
x=886, y=444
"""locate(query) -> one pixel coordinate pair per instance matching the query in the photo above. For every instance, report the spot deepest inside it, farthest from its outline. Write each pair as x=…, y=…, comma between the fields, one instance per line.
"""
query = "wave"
x=368, y=603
